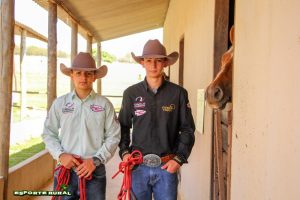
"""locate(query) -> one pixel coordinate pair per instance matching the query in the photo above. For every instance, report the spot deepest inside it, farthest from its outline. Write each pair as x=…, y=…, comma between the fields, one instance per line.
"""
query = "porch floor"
x=112, y=187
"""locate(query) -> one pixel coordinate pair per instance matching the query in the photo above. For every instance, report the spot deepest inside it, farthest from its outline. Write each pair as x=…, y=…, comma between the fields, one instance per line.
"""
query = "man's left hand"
x=171, y=166
x=86, y=168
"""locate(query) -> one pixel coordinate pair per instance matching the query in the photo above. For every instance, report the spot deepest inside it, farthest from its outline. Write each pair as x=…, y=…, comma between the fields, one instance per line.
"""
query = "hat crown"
x=83, y=60
x=154, y=47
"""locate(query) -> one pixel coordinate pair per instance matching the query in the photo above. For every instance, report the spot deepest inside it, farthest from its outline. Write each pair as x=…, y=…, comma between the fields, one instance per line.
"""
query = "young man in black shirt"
x=163, y=127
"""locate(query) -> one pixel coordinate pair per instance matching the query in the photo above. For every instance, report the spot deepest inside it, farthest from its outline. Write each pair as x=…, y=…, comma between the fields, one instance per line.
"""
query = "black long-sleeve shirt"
x=162, y=121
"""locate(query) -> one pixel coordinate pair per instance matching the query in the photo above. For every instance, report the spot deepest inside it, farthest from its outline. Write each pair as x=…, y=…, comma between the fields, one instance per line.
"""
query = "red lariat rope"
x=63, y=178
x=125, y=167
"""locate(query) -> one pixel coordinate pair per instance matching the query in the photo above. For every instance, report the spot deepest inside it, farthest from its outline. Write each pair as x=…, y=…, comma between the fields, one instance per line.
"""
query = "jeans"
x=154, y=180
x=95, y=188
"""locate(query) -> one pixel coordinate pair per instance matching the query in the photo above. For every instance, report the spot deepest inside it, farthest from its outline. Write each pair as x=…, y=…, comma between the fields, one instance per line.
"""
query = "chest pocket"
x=95, y=118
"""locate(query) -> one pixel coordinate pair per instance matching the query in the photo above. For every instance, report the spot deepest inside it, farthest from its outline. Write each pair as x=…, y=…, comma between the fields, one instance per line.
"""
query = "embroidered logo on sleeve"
x=68, y=108
x=169, y=108
x=96, y=108
x=139, y=112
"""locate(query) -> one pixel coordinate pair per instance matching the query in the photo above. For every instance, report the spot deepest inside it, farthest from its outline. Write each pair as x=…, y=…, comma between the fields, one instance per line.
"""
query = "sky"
x=29, y=13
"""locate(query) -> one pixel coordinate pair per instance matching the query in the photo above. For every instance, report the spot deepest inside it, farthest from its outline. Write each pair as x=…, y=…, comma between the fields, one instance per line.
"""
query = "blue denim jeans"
x=95, y=188
x=154, y=180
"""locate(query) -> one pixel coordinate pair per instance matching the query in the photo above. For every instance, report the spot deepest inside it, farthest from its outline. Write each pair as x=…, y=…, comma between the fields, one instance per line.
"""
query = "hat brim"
x=99, y=72
x=171, y=58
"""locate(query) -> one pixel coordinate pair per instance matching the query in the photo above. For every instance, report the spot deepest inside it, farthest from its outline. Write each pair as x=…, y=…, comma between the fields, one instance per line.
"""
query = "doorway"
x=222, y=120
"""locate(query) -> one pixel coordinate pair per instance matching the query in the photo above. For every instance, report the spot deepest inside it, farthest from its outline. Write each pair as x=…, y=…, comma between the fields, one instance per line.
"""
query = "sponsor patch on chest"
x=68, y=108
x=139, y=103
x=168, y=108
x=96, y=108
x=139, y=112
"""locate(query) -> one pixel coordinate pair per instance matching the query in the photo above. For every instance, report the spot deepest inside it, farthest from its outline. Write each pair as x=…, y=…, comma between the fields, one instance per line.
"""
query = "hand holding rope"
x=63, y=179
x=125, y=167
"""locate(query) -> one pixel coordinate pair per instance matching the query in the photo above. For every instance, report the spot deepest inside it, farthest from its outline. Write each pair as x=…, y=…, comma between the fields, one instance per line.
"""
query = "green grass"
x=20, y=152
x=16, y=114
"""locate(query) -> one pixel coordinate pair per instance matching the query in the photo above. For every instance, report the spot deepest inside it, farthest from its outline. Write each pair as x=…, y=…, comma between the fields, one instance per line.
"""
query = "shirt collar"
x=74, y=95
x=146, y=86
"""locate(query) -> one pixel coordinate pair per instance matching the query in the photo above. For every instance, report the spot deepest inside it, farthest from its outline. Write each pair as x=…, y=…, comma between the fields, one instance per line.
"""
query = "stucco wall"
x=266, y=153
x=194, y=19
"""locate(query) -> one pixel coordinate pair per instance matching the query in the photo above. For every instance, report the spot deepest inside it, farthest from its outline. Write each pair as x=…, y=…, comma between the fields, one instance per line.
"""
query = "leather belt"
x=153, y=160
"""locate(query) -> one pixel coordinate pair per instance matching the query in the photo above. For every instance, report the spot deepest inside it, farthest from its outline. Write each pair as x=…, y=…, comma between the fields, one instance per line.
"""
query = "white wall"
x=266, y=118
x=194, y=19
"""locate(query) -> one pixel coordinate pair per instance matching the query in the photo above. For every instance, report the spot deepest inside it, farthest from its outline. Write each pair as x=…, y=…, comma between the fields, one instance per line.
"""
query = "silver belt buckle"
x=151, y=160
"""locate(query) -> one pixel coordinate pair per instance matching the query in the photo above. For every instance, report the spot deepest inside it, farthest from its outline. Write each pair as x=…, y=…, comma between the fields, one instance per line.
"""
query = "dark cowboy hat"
x=84, y=62
x=154, y=49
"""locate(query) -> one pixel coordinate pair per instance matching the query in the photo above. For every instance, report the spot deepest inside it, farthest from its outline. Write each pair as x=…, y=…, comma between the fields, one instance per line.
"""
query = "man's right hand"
x=68, y=160
x=126, y=157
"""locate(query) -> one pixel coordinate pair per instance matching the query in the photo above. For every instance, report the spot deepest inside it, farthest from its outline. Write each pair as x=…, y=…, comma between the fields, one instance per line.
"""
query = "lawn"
x=20, y=152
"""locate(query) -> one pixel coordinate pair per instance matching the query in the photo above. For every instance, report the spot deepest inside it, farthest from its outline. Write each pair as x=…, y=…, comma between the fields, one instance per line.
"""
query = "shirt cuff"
x=56, y=157
x=180, y=159
x=102, y=160
x=123, y=153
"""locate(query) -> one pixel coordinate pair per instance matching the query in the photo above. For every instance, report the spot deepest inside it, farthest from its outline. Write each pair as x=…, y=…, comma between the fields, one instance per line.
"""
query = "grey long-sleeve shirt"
x=86, y=127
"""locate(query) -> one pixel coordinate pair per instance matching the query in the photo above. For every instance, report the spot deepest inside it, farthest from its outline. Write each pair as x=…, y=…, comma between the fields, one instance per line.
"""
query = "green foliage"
x=38, y=51
x=62, y=54
x=126, y=59
x=106, y=57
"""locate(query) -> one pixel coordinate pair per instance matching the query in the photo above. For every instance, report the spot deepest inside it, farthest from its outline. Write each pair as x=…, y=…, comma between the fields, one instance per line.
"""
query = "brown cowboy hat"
x=154, y=49
x=84, y=62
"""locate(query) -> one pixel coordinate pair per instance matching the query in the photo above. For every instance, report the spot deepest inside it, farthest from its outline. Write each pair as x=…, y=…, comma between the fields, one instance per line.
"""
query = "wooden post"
x=219, y=154
x=74, y=48
x=229, y=143
x=89, y=44
x=52, y=53
x=23, y=81
x=215, y=188
x=99, y=60
x=7, y=22
x=221, y=32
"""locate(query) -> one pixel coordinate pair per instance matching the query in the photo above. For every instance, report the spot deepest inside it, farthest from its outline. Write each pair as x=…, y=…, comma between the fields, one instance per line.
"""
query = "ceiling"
x=109, y=19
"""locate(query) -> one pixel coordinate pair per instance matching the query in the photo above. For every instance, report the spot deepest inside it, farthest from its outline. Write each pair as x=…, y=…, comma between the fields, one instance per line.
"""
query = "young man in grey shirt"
x=82, y=124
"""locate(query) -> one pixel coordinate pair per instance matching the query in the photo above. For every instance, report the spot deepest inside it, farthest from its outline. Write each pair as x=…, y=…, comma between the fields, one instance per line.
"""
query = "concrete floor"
x=113, y=185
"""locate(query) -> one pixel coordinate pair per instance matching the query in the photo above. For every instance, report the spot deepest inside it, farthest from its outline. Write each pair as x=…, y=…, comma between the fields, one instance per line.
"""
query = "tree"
x=38, y=51
x=126, y=59
x=105, y=56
